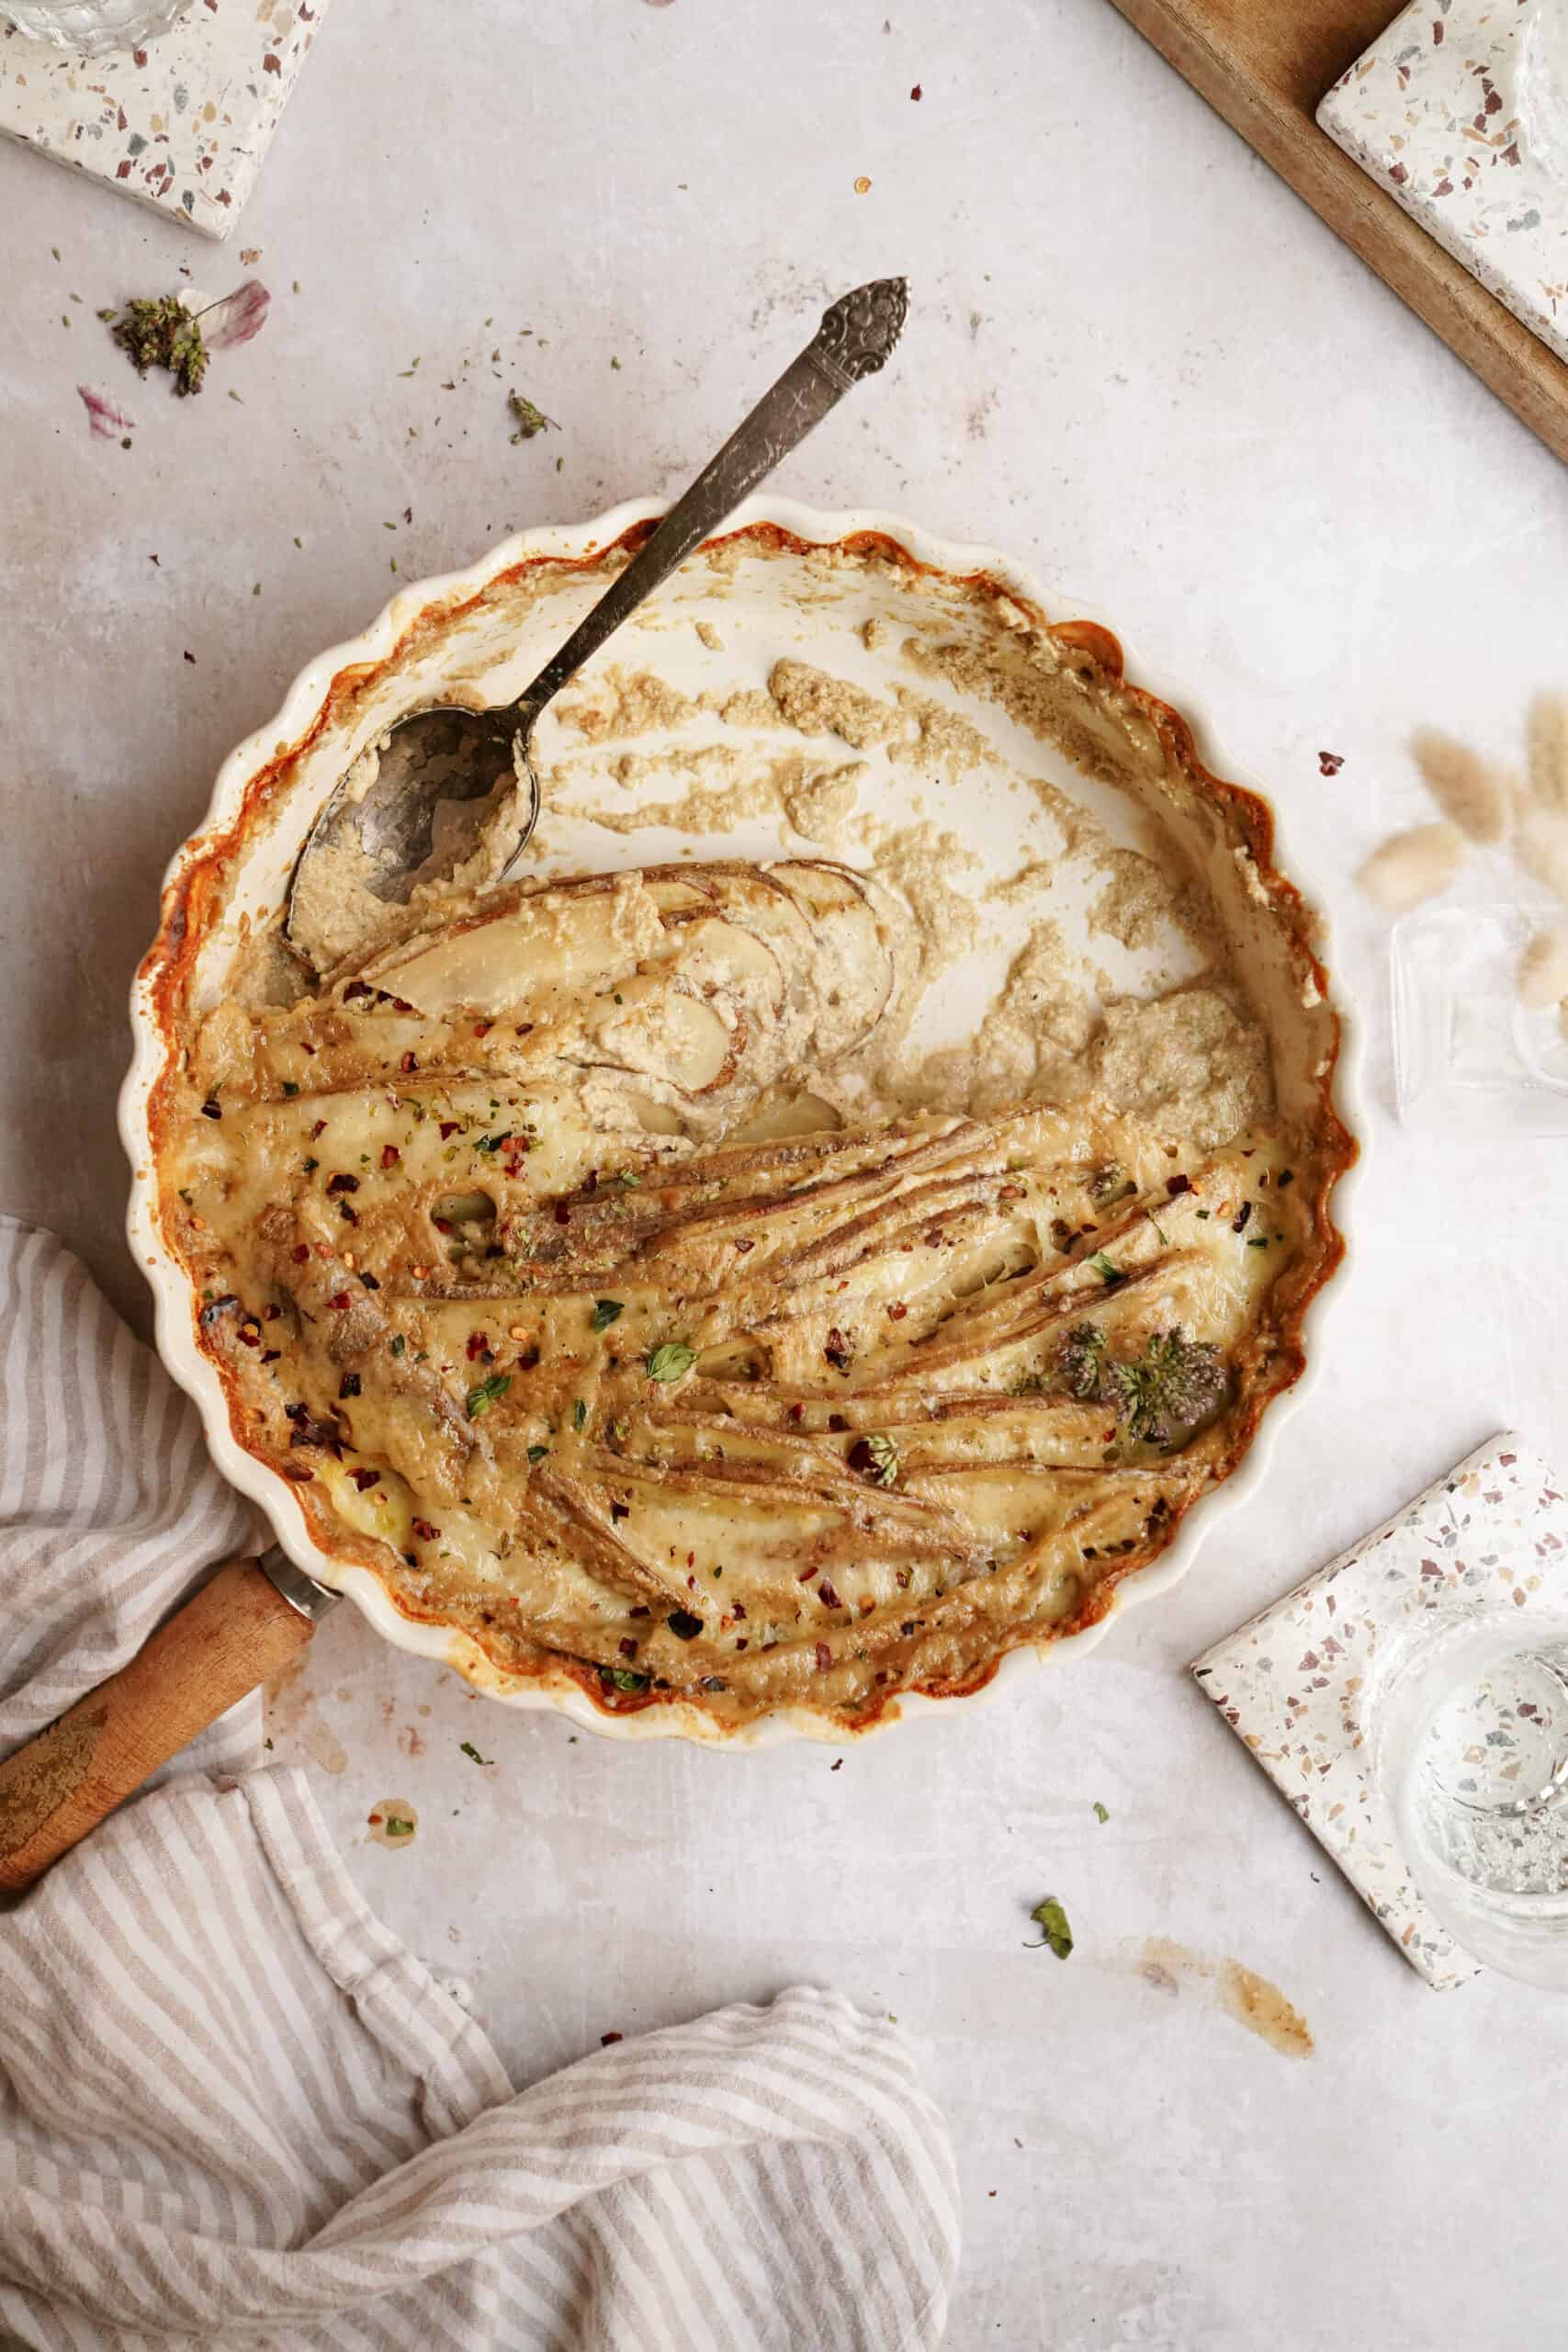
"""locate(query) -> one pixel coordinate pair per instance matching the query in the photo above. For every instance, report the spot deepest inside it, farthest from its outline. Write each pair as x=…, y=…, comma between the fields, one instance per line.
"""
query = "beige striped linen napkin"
x=234, y=2111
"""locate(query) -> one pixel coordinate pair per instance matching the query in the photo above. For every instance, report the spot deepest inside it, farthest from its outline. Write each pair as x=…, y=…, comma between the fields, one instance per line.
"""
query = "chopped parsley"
x=1109, y=1272
x=1099, y=1812
x=606, y=1311
x=399, y=1343
x=578, y=1414
x=397, y=1826
x=467, y=1748
x=537, y=1452
x=624, y=1677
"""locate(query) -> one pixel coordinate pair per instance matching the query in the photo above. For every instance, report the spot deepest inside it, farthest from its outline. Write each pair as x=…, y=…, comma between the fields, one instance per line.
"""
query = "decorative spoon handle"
x=856, y=337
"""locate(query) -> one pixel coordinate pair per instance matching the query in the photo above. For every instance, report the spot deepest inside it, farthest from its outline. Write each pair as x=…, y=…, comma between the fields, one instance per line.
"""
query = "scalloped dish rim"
x=196, y=1374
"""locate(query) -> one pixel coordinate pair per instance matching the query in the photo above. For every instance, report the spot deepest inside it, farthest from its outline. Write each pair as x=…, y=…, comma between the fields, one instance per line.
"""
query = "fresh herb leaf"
x=537, y=1452
x=606, y=1311
x=1052, y=1922
x=670, y=1361
x=578, y=1414
x=1099, y=1812
x=397, y=1826
x=624, y=1677
x=467, y=1748
x=289, y=1086
x=479, y=1400
x=1109, y=1273
x=629, y=1178
x=399, y=1343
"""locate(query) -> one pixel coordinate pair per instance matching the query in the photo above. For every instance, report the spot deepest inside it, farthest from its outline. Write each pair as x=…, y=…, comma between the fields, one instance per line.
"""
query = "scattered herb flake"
x=1052, y=1921
x=466, y=1747
x=537, y=1452
x=1109, y=1272
x=529, y=419
x=479, y=1400
x=606, y=1311
x=876, y=1457
x=1099, y=1812
x=670, y=1361
x=399, y=1343
x=578, y=1414
x=397, y=1826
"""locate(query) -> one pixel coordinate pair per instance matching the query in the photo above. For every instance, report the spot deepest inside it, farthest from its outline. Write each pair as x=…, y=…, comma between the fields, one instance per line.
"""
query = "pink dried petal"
x=237, y=317
x=107, y=421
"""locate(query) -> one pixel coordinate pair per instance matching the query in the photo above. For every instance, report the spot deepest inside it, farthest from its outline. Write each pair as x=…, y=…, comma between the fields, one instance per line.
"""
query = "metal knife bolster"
x=301, y=1592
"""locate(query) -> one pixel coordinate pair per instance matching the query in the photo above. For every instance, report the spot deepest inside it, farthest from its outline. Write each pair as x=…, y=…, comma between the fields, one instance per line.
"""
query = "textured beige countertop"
x=1138, y=362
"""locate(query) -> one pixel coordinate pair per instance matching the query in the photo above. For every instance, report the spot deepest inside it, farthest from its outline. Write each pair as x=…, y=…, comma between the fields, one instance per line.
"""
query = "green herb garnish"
x=629, y=1178
x=399, y=1343
x=1160, y=1396
x=606, y=1311
x=1108, y=1272
x=623, y=1677
x=162, y=332
x=670, y=1361
x=396, y=1826
x=1099, y=1812
x=479, y=1400
x=578, y=1414
x=537, y=1452
x=1082, y=1361
x=876, y=1456
x=1052, y=1922
x=289, y=1087
x=530, y=420
x=467, y=1748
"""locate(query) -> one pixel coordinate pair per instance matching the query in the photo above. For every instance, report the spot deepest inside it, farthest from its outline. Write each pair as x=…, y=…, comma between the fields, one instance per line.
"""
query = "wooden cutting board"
x=1265, y=65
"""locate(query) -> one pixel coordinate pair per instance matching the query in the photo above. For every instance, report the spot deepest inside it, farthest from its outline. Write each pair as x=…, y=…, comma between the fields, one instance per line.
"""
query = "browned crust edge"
x=194, y=894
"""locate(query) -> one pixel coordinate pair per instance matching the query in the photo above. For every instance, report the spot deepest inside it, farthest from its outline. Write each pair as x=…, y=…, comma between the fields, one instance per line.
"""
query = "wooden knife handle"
x=236, y=1630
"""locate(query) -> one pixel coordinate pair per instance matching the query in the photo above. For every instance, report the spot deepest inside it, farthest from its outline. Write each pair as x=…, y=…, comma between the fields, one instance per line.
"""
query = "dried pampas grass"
x=1548, y=735
x=1543, y=970
x=1470, y=791
x=1413, y=867
x=1542, y=842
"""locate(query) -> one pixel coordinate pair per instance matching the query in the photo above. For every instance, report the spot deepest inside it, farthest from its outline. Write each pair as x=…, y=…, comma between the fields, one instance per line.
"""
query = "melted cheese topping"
x=526, y=1273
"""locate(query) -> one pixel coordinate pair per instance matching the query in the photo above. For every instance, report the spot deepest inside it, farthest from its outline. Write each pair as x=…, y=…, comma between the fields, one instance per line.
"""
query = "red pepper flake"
x=826, y=1595
x=390, y=1155
x=1010, y=1193
x=629, y=1648
x=897, y=1310
x=271, y=1355
x=738, y=1612
x=301, y=1251
x=563, y=1215
x=449, y=1128
x=309, y=1050
x=836, y=1422
x=620, y=1510
x=270, y=1314
x=340, y=1302
x=1176, y=1185
x=251, y=1334
x=744, y=1245
x=839, y=1349
x=1239, y=1222
x=343, y=1183
x=605, y=2040
x=1330, y=763
x=804, y=1575
x=483, y=1028
x=797, y=1412
x=479, y=1344
x=408, y=1064
x=917, y=94
x=425, y=1531
x=318, y=1130
x=356, y=987
x=824, y=1657
x=442, y=1224
x=364, y=1478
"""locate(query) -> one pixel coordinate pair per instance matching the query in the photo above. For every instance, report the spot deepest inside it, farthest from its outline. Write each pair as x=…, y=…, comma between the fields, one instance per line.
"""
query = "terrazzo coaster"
x=1495, y=1529
x=180, y=125
x=1428, y=110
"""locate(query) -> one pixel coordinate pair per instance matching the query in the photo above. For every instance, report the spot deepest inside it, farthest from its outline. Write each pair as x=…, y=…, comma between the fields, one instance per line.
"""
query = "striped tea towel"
x=234, y=2111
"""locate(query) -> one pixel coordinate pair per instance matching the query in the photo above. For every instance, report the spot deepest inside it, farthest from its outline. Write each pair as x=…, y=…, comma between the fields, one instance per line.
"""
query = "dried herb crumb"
x=160, y=332
x=467, y=1748
x=1099, y=1812
x=529, y=419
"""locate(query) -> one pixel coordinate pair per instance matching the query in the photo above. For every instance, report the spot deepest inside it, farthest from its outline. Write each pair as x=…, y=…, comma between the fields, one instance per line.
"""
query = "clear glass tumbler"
x=1471, y=1746
x=1540, y=82
x=91, y=27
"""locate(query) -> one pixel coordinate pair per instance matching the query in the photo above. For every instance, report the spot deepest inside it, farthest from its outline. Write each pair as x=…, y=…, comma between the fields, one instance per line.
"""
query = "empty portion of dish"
x=630, y=1270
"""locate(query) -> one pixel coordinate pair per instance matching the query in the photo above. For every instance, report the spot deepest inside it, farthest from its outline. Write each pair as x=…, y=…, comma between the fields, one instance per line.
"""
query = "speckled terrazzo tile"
x=180, y=125
x=1429, y=111
x=1290, y=1683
